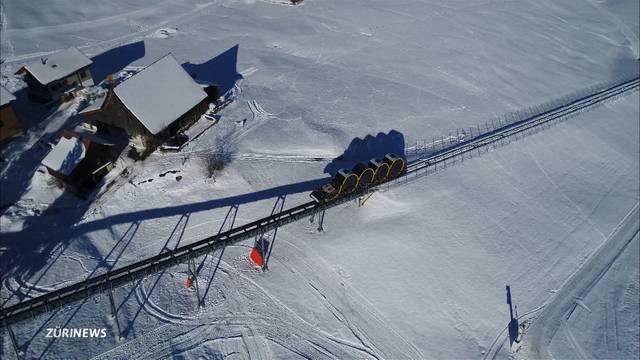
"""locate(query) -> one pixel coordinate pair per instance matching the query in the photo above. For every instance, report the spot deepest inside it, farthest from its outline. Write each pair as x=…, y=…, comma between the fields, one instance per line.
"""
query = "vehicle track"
x=558, y=308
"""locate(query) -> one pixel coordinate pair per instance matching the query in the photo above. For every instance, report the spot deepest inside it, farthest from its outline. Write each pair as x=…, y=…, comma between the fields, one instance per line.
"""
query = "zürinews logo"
x=75, y=333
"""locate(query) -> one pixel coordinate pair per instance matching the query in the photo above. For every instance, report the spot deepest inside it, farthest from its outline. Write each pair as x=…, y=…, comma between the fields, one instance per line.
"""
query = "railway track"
x=114, y=278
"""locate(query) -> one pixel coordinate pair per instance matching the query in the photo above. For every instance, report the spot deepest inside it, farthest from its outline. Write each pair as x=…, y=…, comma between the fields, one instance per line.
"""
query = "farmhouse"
x=9, y=124
x=79, y=160
x=53, y=76
x=152, y=105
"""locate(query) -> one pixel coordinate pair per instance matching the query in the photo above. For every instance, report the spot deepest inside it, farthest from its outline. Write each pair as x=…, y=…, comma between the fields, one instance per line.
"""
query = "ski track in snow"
x=263, y=322
x=187, y=332
x=560, y=306
x=136, y=35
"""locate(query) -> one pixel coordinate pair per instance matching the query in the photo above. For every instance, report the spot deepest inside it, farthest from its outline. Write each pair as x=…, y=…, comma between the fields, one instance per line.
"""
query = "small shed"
x=78, y=160
x=52, y=76
x=152, y=105
x=10, y=125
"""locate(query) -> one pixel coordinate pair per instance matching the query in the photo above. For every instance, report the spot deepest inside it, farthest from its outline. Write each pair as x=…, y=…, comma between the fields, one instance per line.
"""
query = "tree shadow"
x=116, y=59
x=220, y=70
x=363, y=150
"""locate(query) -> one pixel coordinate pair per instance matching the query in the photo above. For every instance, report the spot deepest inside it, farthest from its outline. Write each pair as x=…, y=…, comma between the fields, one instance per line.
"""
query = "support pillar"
x=192, y=272
x=272, y=238
x=14, y=342
x=321, y=221
x=114, y=312
x=362, y=199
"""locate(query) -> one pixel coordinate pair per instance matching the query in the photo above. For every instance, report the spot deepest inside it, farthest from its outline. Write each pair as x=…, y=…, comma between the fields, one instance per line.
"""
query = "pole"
x=509, y=301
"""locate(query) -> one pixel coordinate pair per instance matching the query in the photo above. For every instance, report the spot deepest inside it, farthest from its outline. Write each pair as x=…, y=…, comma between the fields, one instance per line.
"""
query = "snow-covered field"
x=419, y=271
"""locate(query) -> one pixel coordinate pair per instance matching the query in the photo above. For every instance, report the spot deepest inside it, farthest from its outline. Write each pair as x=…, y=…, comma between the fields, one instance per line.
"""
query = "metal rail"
x=523, y=125
x=129, y=273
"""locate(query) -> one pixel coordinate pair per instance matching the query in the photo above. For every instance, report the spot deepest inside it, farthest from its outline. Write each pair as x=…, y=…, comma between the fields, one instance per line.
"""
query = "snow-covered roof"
x=5, y=96
x=160, y=94
x=66, y=155
x=97, y=104
x=57, y=66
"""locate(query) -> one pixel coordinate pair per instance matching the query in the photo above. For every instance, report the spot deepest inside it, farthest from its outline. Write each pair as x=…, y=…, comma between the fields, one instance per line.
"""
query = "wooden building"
x=54, y=75
x=10, y=125
x=80, y=160
x=152, y=105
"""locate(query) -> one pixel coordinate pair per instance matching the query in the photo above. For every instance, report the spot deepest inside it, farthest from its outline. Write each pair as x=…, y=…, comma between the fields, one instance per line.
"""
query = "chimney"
x=109, y=81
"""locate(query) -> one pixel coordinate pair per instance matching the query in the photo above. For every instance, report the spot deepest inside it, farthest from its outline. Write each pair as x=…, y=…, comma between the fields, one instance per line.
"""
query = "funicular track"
x=114, y=278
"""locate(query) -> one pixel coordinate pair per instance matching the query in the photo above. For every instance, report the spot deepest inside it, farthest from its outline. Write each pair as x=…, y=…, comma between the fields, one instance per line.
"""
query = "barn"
x=152, y=105
x=10, y=126
x=79, y=160
x=56, y=74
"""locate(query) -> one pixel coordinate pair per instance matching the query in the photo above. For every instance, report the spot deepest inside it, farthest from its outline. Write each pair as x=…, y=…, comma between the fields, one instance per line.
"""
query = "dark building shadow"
x=220, y=70
x=362, y=150
x=20, y=165
x=116, y=59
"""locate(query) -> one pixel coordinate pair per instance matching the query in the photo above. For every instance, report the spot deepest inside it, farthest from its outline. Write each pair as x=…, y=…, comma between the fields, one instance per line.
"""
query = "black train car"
x=376, y=172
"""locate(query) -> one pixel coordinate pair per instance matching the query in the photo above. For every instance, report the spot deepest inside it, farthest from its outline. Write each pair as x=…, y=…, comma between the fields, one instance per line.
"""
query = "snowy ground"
x=419, y=272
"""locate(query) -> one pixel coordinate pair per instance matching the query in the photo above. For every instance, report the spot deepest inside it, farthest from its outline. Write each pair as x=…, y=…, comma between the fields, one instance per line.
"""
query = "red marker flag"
x=256, y=256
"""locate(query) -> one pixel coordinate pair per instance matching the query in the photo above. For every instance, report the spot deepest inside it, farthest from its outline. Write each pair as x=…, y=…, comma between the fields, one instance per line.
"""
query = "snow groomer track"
x=129, y=273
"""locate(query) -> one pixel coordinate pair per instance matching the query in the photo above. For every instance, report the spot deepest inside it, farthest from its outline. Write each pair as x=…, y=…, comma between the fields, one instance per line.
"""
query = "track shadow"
x=32, y=251
x=28, y=251
x=77, y=230
x=220, y=70
x=116, y=59
x=362, y=150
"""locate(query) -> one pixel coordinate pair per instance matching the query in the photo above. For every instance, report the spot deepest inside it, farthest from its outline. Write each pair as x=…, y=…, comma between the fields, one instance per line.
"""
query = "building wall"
x=10, y=126
x=56, y=89
x=114, y=113
x=184, y=121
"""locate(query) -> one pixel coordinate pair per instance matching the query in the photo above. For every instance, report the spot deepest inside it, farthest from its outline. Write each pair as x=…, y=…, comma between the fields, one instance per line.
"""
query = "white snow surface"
x=58, y=65
x=419, y=271
x=65, y=155
x=160, y=93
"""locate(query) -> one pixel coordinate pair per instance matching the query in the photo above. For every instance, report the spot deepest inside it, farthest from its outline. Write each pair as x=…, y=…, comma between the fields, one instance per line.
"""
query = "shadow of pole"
x=129, y=326
x=271, y=238
x=232, y=219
